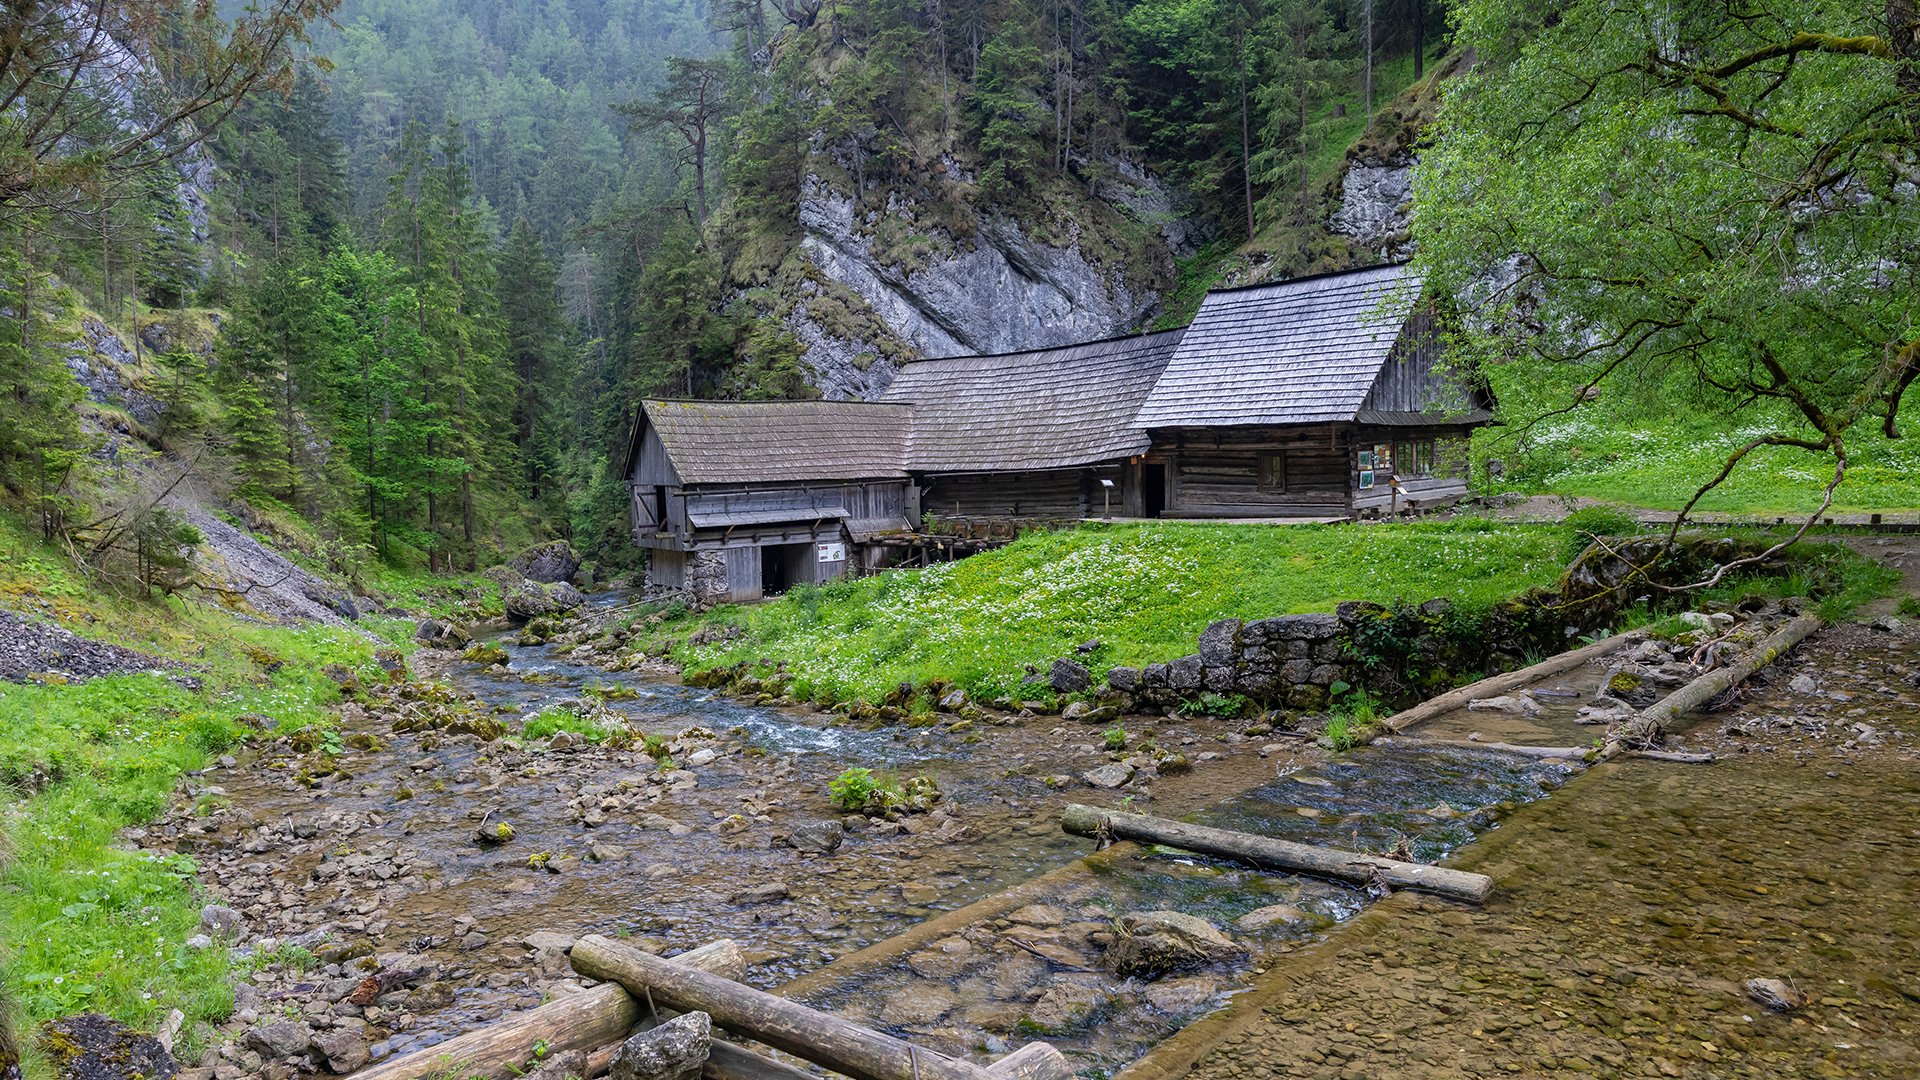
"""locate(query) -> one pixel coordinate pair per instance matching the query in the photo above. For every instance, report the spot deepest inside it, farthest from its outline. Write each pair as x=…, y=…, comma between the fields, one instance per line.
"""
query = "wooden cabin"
x=1043, y=435
x=1315, y=397
x=736, y=500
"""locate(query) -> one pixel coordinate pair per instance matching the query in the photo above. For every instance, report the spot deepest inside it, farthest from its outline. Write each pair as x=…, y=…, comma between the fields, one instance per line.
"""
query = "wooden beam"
x=1271, y=854
x=588, y=1020
x=788, y=1026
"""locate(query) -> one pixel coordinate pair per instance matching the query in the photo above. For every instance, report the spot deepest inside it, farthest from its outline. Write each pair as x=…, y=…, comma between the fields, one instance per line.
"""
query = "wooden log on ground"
x=1632, y=734
x=1496, y=685
x=1269, y=853
x=788, y=1026
x=588, y=1020
x=1034, y=1061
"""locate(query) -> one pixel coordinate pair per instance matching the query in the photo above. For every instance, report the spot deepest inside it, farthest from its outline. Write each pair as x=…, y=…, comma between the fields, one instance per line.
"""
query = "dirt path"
x=1632, y=908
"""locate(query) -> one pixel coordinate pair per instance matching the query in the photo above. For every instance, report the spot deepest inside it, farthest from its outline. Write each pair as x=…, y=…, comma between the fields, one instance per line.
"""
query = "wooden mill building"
x=1316, y=397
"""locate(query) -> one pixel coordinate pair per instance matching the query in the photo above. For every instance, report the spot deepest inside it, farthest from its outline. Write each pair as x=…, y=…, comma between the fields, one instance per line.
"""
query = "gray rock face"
x=570, y=1065
x=1001, y=292
x=676, y=1050
x=547, y=563
x=1147, y=198
x=1376, y=201
x=95, y=1047
x=1149, y=944
x=96, y=361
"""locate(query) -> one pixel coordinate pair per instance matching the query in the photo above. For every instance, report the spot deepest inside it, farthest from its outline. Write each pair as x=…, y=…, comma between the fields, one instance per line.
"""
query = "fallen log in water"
x=1650, y=724
x=588, y=1020
x=1272, y=854
x=1501, y=684
x=821, y=1038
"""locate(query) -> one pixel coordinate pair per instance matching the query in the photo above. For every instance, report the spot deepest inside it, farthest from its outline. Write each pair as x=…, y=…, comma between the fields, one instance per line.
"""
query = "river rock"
x=676, y=1050
x=1803, y=684
x=919, y=1002
x=279, y=1039
x=95, y=1047
x=1775, y=994
x=547, y=563
x=761, y=894
x=1517, y=704
x=567, y=1065
x=343, y=1051
x=220, y=921
x=1109, y=776
x=816, y=837
x=1273, y=915
x=1150, y=944
x=1064, y=1004
x=1069, y=677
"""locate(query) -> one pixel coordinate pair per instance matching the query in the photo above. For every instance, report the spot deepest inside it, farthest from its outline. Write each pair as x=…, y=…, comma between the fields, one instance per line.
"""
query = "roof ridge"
x=1046, y=348
x=1322, y=276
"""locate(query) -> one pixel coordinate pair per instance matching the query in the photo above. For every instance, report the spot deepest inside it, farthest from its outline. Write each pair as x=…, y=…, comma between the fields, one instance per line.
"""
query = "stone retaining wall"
x=1290, y=660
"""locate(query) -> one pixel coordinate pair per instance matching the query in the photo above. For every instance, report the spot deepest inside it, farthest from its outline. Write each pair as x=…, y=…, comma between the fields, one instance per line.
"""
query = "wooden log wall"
x=1216, y=472
x=1058, y=494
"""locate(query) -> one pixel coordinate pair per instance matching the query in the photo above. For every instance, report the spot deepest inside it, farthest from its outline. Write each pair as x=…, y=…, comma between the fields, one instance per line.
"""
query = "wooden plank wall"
x=1060, y=494
x=1449, y=479
x=1214, y=472
x=743, y=573
x=667, y=569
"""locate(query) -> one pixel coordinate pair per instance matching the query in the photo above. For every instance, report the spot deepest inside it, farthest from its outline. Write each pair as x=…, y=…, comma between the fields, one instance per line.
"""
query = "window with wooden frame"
x=1270, y=472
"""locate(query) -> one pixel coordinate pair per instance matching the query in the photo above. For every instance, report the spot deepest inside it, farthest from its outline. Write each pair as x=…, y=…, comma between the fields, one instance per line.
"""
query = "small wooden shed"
x=1047, y=434
x=736, y=500
x=1318, y=396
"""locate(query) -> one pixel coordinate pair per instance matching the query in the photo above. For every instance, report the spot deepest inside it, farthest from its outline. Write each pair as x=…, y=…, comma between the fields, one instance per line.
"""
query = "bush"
x=1116, y=738
x=866, y=792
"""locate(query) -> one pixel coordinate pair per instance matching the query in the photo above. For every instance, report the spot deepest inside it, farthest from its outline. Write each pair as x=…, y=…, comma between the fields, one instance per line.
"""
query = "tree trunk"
x=1500, y=684
x=1419, y=39
x=1268, y=853
x=1653, y=720
x=1246, y=138
x=588, y=1020
x=818, y=1037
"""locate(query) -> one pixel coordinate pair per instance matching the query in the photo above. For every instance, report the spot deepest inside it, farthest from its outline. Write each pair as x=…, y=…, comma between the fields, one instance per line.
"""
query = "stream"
x=385, y=850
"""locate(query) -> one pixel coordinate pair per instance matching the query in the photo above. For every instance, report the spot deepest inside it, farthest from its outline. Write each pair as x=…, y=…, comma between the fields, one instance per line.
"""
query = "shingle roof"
x=1044, y=409
x=1302, y=351
x=720, y=442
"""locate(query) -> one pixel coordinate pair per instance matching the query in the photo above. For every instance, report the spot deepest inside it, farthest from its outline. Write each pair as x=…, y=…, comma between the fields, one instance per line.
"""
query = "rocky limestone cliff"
x=1376, y=204
x=1000, y=291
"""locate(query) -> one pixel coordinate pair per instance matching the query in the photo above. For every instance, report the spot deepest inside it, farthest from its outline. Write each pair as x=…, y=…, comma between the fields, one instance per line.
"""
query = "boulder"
x=530, y=600
x=547, y=563
x=676, y=1050
x=1186, y=673
x=94, y=1047
x=1149, y=944
x=1069, y=677
x=1517, y=704
x=440, y=635
x=1124, y=678
x=1775, y=994
x=1274, y=915
x=1108, y=776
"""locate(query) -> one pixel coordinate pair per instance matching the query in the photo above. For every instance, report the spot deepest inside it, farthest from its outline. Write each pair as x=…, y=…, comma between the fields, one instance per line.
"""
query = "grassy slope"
x=86, y=924
x=1621, y=459
x=1144, y=591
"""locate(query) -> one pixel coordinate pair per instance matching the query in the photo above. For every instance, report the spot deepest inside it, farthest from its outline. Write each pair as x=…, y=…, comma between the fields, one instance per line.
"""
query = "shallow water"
x=1632, y=907
x=393, y=844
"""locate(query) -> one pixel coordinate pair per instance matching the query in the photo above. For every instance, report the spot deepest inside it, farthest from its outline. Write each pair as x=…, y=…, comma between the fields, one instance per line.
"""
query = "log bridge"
x=640, y=989
x=1268, y=853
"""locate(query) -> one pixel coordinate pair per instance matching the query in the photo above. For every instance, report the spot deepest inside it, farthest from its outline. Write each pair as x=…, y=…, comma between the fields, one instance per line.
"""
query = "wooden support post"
x=589, y=1020
x=1268, y=853
x=788, y=1026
